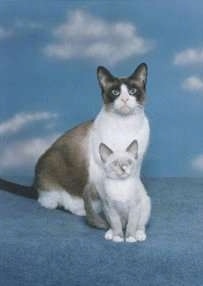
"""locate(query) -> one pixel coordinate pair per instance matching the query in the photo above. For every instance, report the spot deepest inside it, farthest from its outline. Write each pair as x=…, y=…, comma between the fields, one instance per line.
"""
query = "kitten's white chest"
x=120, y=191
x=121, y=194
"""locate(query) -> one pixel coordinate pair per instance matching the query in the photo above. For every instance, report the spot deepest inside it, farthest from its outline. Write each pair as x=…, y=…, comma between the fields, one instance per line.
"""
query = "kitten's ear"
x=140, y=75
x=104, y=152
x=133, y=148
x=104, y=76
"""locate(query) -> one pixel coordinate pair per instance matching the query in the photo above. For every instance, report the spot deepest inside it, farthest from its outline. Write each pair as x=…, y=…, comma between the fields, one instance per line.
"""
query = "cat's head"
x=119, y=165
x=123, y=95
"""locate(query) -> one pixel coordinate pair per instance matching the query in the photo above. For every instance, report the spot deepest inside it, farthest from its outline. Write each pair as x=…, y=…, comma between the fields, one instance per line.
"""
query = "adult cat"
x=72, y=164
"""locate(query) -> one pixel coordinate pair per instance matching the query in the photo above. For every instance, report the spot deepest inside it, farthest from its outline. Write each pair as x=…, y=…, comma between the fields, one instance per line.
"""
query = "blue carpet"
x=44, y=247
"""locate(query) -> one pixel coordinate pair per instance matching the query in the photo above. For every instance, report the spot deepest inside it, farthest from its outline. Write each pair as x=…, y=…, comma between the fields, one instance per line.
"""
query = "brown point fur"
x=65, y=165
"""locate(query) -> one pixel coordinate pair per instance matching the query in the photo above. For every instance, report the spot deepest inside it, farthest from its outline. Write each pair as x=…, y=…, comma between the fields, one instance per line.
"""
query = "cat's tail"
x=20, y=190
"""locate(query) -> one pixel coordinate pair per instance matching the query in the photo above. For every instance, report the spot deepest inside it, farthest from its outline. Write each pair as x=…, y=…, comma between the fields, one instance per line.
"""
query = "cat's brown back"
x=65, y=164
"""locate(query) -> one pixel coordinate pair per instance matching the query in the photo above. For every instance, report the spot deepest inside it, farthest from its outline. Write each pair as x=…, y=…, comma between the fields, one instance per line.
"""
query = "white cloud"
x=189, y=57
x=5, y=33
x=24, y=153
x=193, y=83
x=21, y=120
x=85, y=36
x=197, y=163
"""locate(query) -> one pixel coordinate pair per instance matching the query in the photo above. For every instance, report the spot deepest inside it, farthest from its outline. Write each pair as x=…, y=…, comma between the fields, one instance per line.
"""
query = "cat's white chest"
x=117, y=132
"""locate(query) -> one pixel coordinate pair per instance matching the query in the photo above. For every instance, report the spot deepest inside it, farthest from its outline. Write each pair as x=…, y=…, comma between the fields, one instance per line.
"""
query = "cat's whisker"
x=140, y=106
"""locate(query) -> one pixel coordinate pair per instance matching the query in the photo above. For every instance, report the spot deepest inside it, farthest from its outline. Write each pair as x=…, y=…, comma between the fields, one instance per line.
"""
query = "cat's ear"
x=133, y=148
x=140, y=75
x=104, y=77
x=104, y=152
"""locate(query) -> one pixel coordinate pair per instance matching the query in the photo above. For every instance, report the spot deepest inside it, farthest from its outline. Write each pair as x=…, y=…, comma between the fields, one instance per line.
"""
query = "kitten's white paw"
x=140, y=235
x=109, y=234
x=117, y=238
x=130, y=239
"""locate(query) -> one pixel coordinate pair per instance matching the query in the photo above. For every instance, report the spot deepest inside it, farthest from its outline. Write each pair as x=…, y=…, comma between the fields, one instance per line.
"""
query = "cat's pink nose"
x=124, y=99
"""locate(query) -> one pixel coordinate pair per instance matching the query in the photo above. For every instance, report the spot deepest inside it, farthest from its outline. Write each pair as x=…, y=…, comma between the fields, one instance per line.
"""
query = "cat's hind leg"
x=49, y=199
x=60, y=198
x=93, y=207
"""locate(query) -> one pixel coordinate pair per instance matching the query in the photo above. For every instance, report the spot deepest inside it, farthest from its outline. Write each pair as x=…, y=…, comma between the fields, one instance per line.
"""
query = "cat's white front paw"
x=140, y=235
x=130, y=239
x=109, y=234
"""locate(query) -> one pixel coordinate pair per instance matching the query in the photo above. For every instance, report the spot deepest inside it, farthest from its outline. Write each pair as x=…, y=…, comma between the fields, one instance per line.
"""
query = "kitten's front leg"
x=115, y=232
x=133, y=218
x=145, y=211
x=138, y=219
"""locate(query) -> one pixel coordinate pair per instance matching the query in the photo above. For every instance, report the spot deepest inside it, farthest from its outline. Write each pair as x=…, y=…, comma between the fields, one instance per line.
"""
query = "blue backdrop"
x=49, y=51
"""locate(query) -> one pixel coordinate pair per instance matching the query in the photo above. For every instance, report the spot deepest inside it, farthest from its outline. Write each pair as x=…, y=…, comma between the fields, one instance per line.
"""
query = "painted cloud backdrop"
x=49, y=52
x=83, y=35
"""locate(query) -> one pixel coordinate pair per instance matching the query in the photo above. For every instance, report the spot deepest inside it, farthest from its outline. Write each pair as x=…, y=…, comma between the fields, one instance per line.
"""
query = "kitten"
x=126, y=205
x=72, y=167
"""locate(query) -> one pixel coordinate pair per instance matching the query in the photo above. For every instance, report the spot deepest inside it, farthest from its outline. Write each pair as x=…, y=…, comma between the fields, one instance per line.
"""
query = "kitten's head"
x=123, y=95
x=119, y=165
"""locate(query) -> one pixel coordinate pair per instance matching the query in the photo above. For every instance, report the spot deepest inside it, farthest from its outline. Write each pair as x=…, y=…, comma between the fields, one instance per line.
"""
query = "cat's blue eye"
x=132, y=91
x=115, y=92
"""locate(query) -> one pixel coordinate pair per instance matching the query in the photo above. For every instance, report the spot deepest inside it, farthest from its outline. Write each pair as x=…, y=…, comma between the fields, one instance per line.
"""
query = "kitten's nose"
x=123, y=168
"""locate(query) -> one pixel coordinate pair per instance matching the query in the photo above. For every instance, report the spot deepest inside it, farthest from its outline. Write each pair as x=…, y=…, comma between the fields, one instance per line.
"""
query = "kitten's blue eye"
x=132, y=91
x=115, y=163
x=115, y=92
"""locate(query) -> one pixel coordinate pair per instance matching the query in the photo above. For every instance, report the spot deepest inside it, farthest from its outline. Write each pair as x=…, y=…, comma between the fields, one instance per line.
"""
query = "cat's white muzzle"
x=125, y=108
x=125, y=104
